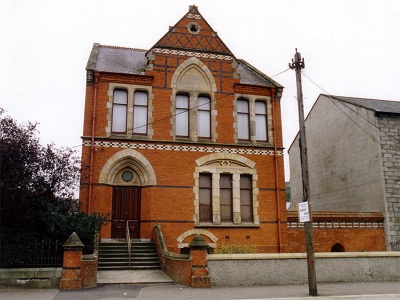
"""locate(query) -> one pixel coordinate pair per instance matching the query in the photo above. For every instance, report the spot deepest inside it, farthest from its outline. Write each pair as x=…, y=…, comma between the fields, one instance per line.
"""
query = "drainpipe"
x=96, y=80
x=278, y=202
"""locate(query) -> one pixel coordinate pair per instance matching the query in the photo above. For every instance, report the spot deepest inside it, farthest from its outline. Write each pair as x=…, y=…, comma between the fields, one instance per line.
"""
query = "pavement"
x=157, y=285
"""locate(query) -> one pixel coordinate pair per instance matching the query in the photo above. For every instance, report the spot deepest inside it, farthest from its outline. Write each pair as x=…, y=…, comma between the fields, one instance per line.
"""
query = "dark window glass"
x=205, y=195
x=246, y=203
x=225, y=186
x=243, y=119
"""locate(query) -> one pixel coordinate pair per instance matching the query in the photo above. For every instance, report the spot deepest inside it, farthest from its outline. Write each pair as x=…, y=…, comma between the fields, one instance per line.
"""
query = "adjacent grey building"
x=353, y=147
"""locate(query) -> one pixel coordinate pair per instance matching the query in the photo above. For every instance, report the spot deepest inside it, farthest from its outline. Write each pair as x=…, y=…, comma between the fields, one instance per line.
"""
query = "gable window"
x=140, y=112
x=261, y=120
x=205, y=191
x=204, y=117
x=119, y=111
x=182, y=115
x=243, y=119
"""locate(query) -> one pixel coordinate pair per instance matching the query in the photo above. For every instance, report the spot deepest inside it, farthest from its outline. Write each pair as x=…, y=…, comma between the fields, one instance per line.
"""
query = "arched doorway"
x=127, y=172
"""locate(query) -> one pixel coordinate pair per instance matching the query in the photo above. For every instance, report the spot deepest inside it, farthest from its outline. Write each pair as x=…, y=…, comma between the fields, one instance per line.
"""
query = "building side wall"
x=344, y=159
x=390, y=145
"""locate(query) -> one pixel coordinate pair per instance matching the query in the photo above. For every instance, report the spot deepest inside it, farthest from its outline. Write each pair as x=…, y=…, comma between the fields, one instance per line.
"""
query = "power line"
x=195, y=107
x=331, y=97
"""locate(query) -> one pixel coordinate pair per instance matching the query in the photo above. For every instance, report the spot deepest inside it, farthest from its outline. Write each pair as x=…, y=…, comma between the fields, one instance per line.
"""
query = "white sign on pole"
x=304, y=215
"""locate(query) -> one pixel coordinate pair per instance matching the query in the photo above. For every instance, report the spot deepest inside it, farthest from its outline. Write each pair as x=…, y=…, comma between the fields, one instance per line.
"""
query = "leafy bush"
x=62, y=225
x=235, y=249
x=38, y=186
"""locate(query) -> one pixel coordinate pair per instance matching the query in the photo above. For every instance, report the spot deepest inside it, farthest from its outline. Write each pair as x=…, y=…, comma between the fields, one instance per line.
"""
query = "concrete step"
x=114, y=255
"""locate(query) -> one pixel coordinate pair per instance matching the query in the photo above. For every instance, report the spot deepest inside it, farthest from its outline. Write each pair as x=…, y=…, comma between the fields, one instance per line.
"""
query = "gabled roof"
x=192, y=32
x=133, y=61
x=119, y=60
x=250, y=75
x=379, y=106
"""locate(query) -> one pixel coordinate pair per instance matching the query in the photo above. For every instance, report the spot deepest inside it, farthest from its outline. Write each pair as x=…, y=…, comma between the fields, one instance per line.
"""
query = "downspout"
x=278, y=202
x=96, y=79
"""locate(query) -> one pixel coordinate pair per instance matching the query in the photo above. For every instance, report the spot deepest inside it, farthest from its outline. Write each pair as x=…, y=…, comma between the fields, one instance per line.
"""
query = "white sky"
x=351, y=48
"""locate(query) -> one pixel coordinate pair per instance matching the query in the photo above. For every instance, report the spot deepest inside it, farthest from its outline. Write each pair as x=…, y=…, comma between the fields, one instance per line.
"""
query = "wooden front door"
x=126, y=208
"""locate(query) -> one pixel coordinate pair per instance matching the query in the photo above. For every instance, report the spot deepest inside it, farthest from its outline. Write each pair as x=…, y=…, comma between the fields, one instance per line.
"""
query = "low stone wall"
x=291, y=268
x=177, y=266
x=30, y=277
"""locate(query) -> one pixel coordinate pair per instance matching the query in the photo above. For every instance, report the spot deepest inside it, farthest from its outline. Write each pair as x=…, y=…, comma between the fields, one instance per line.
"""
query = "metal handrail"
x=128, y=240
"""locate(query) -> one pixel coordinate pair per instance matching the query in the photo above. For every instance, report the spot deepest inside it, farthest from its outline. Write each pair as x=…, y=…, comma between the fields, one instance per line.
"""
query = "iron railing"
x=31, y=253
x=128, y=241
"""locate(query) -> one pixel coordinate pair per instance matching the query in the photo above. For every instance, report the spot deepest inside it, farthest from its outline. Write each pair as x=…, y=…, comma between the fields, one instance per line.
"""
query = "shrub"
x=235, y=249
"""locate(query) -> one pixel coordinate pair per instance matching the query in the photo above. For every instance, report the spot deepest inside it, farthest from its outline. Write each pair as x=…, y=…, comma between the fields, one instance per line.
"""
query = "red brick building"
x=187, y=136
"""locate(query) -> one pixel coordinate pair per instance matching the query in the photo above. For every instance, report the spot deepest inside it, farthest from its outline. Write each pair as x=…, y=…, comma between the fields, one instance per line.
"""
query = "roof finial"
x=193, y=7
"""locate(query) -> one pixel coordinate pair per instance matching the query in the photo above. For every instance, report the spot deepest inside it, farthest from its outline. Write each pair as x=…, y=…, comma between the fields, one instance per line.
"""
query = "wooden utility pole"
x=298, y=64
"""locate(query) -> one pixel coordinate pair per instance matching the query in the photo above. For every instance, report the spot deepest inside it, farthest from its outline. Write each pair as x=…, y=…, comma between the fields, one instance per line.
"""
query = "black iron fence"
x=31, y=253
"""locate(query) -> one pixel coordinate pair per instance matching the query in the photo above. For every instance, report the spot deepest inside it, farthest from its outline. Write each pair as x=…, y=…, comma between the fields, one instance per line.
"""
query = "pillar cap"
x=198, y=242
x=73, y=242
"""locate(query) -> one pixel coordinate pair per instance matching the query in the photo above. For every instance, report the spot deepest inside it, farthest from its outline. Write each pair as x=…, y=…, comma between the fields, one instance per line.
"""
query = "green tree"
x=38, y=186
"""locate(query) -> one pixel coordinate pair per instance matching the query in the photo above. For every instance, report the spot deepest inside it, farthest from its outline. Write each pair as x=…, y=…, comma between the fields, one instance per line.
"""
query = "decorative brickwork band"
x=193, y=54
x=134, y=145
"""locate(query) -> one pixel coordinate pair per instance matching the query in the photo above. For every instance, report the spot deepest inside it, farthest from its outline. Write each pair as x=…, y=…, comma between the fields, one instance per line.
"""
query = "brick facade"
x=165, y=167
x=339, y=231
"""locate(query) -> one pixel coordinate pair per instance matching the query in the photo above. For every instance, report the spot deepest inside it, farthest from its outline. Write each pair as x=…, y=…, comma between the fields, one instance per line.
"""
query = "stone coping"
x=21, y=273
x=267, y=256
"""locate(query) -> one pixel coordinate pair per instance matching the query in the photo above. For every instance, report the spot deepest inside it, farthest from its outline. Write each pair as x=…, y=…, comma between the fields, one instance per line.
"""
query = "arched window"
x=243, y=119
x=140, y=112
x=119, y=111
x=182, y=115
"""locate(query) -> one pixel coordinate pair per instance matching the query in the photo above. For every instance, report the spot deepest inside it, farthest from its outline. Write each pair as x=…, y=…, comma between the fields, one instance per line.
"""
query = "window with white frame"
x=140, y=112
x=253, y=119
x=182, y=115
x=128, y=110
x=204, y=117
x=190, y=110
x=261, y=120
x=243, y=119
x=119, y=111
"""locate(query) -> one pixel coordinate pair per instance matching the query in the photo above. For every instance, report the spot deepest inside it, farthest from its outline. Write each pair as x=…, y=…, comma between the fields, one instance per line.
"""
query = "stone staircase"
x=113, y=255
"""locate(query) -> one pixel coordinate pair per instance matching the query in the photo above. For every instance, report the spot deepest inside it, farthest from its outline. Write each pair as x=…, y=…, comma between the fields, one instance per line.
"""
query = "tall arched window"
x=140, y=112
x=182, y=115
x=243, y=119
x=204, y=117
x=119, y=111
x=261, y=120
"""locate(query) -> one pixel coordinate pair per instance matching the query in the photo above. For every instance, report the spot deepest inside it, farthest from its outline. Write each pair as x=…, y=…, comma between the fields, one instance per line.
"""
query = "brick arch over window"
x=130, y=160
x=210, y=206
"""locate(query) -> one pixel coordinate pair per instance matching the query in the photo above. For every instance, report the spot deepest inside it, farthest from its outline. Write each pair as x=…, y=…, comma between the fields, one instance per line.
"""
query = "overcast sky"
x=351, y=48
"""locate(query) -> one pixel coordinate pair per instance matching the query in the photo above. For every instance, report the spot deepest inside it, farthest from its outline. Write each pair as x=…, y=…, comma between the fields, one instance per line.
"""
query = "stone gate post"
x=198, y=252
x=71, y=272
